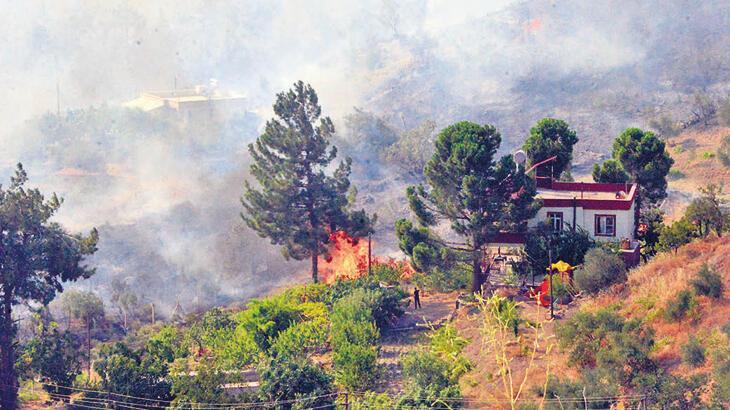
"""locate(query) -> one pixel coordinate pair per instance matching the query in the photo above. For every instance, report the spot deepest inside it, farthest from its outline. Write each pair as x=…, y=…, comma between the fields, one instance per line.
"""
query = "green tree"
x=413, y=149
x=567, y=245
x=706, y=211
x=610, y=171
x=285, y=380
x=679, y=233
x=89, y=309
x=36, y=257
x=644, y=157
x=125, y=372
x=550, y=137
x=708, y=282
x=298, y=204
x=54, y=357
x=601, y=269
x=470, y=189
x=196, y=386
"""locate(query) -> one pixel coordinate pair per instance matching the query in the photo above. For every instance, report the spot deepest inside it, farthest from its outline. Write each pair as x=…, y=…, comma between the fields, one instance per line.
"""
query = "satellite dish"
x=520, y=157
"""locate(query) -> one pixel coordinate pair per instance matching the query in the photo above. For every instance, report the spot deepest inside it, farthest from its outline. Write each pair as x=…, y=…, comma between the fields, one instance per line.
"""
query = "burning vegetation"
x=349, y=257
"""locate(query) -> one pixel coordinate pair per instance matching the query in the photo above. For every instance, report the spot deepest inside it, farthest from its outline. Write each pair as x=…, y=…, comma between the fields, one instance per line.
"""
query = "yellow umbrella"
x=561, y=266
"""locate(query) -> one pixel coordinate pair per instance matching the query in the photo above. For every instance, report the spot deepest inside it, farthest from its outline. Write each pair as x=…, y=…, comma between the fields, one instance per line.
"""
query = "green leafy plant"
x=681, y=306
x=693, y=353
x=601, y=269
x=708, y=282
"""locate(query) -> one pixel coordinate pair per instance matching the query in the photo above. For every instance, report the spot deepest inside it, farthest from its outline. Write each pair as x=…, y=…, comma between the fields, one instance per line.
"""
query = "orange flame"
x=348, y=259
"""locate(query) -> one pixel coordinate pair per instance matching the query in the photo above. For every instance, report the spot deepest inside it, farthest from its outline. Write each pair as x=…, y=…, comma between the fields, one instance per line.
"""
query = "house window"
x=605, y=225
x=555, y=220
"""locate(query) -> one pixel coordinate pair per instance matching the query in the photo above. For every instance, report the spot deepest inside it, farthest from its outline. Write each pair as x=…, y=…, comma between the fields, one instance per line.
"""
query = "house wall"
x=586, y=220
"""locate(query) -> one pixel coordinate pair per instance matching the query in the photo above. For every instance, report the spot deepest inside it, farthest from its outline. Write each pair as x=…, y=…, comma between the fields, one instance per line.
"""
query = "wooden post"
x=153, y=312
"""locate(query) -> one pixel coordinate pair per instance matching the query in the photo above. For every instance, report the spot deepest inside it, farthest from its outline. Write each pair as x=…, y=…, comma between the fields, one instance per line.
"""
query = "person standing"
x=417, y=298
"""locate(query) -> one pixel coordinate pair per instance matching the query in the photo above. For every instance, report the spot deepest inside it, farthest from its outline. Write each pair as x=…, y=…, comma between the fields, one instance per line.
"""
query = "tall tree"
x=298, y=204
x=477, y=194
x=610, y=171
x=36, y=257
x=644, y=157
x=89, y=309
x=551, y=137
x=706, y=211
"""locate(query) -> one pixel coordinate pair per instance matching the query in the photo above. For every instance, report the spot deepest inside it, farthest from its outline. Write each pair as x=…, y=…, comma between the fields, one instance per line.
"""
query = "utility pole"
x=550, y=272
x=152, y=305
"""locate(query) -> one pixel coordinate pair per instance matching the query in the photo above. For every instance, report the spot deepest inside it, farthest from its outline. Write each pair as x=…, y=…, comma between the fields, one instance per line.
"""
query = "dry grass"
x=644, y=296
x=690, y=151
x=651, y=287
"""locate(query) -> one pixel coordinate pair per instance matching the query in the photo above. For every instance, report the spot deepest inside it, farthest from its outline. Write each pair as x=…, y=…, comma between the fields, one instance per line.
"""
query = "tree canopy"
x=36, y=257
x=706, y=211
x=476, y=193
x=610, y=171
x=644, y=158
x=551, y=137
x=298, y=204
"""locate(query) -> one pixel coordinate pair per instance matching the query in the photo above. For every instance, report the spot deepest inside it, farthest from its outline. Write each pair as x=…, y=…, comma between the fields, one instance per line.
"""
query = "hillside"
x=646, y=294
x=695, y=164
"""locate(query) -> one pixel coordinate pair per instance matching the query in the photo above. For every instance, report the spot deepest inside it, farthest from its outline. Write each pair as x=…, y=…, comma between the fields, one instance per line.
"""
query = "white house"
x=606, y=211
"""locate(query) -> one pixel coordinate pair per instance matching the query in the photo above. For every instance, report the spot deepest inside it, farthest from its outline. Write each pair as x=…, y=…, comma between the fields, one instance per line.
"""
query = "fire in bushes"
x=348, y=259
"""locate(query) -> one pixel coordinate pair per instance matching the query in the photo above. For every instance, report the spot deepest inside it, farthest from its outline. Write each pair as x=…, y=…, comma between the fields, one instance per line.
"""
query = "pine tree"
x=298, y=205
x=36, y=257
x=474, y=192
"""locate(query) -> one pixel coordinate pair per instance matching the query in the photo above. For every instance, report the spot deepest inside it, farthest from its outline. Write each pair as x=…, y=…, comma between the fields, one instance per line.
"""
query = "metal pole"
x=550, y=272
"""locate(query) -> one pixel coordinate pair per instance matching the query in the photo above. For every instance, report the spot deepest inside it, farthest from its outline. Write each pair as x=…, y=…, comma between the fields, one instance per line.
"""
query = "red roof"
x=586, y=195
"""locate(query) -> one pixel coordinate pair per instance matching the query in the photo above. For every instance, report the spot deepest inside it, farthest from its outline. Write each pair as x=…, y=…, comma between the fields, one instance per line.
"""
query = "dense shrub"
x=568, y=245
x=354, y=339
x=195, y=383
x=593, y=337
x=693, y=353
x=680, y=307
x=287, y=379
x=356, y=366
x=724, y=151
x=134, y=373
x=54, y=357
x=601, y=269
x=708, y=282
x=264, y=319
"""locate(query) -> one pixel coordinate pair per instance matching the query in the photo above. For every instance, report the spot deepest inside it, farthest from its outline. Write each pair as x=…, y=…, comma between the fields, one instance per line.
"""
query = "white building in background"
x=200, y=102
x=606, y=211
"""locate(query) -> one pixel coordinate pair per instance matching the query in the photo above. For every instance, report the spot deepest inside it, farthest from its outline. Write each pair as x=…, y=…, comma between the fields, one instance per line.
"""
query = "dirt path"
x=409, y=333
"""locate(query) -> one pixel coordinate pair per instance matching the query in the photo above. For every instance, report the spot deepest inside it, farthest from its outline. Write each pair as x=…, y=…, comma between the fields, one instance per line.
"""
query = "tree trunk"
x=88, y=350
x=8, y=378
x=315, y=260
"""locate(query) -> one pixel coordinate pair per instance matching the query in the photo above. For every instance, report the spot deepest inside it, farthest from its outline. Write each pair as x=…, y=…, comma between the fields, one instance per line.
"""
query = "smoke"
x=165, y=194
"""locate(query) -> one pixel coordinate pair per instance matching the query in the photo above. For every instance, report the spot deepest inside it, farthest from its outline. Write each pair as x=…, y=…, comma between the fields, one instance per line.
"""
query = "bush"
x=354, y=339
x=356, y=366
x=286, y=379
x=568, y=245
x=601, y=269
x=680, y=307
x=693, y=353
x=723, y=153
x=708, y=282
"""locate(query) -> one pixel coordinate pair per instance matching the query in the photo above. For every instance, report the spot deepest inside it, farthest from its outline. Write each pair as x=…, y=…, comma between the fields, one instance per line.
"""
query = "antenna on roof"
x=520, y=158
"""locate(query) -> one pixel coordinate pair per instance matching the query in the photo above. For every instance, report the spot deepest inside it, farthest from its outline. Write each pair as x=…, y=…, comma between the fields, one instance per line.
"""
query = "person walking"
x=417, y=298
